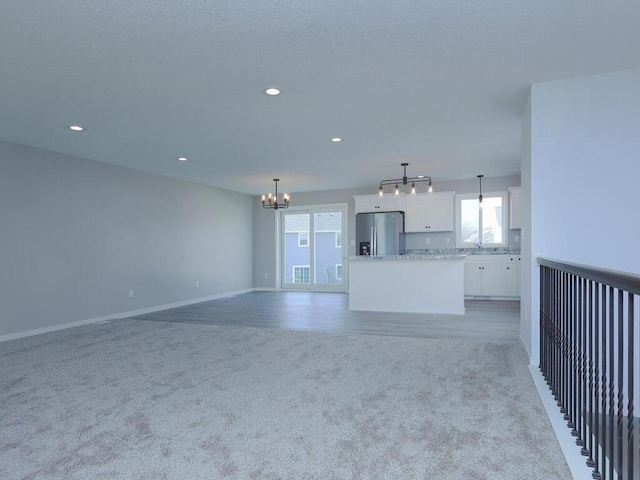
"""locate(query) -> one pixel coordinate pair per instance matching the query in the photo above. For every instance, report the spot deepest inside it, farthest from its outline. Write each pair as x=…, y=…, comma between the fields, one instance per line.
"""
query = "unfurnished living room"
x=319, y=240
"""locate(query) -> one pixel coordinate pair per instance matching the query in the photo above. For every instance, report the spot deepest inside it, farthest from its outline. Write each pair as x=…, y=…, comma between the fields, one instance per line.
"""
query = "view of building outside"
x=327, y=245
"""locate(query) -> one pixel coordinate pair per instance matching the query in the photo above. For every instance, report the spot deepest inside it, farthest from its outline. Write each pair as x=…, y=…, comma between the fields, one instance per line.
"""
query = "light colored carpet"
x=134, y=399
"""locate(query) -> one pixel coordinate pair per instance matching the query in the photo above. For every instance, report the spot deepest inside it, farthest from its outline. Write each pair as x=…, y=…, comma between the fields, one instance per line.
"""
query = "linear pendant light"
x=405, y=181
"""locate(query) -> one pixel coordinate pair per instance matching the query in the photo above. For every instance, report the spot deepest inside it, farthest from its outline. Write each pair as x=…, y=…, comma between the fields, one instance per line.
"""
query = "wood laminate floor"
x=485, y=320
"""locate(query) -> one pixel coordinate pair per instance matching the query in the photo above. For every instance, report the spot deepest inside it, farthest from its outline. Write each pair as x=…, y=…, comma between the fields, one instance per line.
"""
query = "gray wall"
x=264, y=223
x=76, y=235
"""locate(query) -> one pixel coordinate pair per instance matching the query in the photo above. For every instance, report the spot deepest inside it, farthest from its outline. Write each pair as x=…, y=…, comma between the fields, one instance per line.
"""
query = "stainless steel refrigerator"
x=380, y=233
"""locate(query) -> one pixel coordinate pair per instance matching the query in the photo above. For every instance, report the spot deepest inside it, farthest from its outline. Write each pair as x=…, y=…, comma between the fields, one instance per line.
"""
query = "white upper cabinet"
x=376, y=203
x=515, y=217
x=429, y=212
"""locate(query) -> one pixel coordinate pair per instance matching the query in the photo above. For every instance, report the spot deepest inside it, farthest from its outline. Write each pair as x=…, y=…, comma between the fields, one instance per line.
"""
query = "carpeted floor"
x=134, y=399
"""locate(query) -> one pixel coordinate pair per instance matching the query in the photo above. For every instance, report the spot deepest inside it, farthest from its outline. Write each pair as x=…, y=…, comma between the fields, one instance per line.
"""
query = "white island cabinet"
x=407, y=283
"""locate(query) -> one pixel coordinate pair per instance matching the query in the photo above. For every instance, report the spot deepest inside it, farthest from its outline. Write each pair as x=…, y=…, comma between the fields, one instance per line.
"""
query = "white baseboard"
x=266, y=289
x=118, y=316
x=524, y=347
x=571, y=451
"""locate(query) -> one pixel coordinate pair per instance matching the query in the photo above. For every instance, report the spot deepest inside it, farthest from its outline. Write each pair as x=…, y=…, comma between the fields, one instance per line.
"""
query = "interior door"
x=312, y=249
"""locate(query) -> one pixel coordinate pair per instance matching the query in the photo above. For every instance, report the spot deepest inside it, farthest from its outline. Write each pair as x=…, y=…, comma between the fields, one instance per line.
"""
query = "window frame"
x=338, y=266
x=303, y=235
x=301, y=267
x=505, y=215
x=338, y=239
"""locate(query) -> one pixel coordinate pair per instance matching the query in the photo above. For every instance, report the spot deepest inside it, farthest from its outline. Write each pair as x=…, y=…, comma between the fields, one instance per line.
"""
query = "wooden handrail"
x=623, y=280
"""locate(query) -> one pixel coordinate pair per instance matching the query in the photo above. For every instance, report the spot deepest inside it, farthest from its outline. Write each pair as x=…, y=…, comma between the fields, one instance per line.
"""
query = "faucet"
x=479, y=245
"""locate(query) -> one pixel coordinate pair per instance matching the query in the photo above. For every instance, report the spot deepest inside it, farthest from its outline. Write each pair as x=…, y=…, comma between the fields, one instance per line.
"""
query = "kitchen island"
x=407, y=283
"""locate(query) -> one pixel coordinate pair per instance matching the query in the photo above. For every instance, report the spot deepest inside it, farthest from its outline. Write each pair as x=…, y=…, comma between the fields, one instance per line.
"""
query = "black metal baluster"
x=556, y=335
x=578, y=354
x=584, y=382
x=595, y=423
x=556, y=322
x=581, y=376
x=543, y=323
x=603, y=440
x=620, y=410
x=552, y=332
x=630, y=386
x=565, y=348
x=611, y=416
x=573, y=424
x=590, y=390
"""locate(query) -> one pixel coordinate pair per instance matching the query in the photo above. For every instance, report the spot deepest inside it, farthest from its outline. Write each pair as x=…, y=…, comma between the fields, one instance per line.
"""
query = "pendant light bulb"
x=430, y=188
x=397, y=190
x=413, y=189
x=380, y=191
x=480, y=194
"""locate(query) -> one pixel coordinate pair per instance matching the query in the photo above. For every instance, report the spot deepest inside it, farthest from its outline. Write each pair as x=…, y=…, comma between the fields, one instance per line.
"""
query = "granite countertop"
x=466, y=251
x=450, y=256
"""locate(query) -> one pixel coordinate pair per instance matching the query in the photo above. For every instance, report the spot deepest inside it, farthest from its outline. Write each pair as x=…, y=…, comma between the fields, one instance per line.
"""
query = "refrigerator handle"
x=375, y=241
x=372, y=244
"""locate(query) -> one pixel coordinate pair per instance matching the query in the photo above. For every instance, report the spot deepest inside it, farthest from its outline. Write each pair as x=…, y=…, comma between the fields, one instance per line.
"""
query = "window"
x=338, y=272
x=338, y=239
x=301, y=274
x=303, y=239
x=486, y=225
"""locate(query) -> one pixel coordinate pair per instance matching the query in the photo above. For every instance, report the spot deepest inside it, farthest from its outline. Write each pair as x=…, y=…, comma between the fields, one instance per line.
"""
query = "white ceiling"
x=437, y=83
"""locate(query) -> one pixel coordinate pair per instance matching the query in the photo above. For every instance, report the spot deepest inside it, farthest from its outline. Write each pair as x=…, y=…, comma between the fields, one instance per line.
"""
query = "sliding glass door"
x=312, y=249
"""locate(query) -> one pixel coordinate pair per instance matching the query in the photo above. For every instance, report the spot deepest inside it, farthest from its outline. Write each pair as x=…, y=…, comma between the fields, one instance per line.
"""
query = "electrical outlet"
x=266, y=276
x=197, y=283
x=448, y=240
x=427, y=241
x=131, y=293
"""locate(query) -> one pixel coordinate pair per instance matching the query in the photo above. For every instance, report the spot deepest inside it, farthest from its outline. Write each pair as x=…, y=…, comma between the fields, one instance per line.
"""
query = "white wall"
x=77, y=235
x=585, y=141
x=529, y=266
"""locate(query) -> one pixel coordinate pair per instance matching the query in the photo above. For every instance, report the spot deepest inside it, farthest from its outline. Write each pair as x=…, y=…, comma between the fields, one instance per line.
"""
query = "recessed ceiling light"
x=76, y=128
x=272, y=91
x=182, y=159
x=336, y=139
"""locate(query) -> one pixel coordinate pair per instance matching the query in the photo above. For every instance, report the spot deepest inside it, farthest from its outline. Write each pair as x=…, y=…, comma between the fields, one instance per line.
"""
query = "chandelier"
x=271, y=201
x=405, y=181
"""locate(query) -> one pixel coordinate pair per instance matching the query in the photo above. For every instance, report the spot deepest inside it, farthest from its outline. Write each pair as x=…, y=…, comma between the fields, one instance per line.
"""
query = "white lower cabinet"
x=492, y=275
x=513, y=275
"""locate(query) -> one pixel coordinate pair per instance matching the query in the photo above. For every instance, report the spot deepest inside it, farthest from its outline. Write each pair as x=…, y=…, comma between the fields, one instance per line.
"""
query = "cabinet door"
x=375, y=203
x=440, y=212
x=494, y=280
x=415, y=218
x=367, y=203
x=513, y=277
x=392, y=203
x=473, y=279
